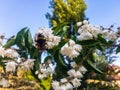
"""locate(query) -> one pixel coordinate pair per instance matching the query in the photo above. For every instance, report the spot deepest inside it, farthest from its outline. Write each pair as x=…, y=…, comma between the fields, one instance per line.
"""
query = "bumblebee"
x=40, y=42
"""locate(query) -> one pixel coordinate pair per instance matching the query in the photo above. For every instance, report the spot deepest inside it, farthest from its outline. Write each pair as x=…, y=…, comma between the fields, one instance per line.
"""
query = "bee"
x=40, y=42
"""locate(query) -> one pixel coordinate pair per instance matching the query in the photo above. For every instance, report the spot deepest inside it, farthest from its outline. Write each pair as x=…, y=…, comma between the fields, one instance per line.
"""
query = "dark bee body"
x=40, y=42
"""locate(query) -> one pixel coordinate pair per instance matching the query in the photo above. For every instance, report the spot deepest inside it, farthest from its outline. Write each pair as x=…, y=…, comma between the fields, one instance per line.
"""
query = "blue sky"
x=16, y=14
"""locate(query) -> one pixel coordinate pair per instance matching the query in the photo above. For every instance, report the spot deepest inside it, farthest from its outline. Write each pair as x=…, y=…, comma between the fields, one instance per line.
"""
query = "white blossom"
x=105, y=32
x=36, y=72
x=10, y=66
x=63, y=80
x=112, y=36
x=76, y=82
x=11, y=53
x=71, y=73
x=4, y=83
x=52, y=41
x=79, y=24
x=40, y=76
x=85, y=36
x=76, y=74
x=68, y=86
x=28, y=64
x=44, y=71
x=55, y=85
x=85, y=22
x=71, y=49
x=82, y=69
x=44, y=31
x=73, y=64
x=49, y=70
x=88, y=31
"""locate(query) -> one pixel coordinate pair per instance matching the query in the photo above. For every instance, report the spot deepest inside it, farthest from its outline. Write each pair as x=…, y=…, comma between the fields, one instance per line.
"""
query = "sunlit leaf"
x=93, y=67
x=20, y=39
x=102, y=40
x=9, y=43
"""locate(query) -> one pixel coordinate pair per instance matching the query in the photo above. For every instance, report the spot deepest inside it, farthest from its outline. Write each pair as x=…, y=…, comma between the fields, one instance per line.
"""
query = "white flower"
x=80, y=30
x=73, y=64
x=41, y=76
x=43, y=70
x=105, y=32
x=76, y=82
x=63, y=80
x=85, y=36
x=68, y=86
x=85, y=22
x=71, y=73
x=77, y=47
x=112, y=36
x=71, y=43
x=78, y=74
x=2, y=51
x=49, y=70
x=28, y=64
x=11, y=53
x=36, y=72
x=10, y=66
x=88, y=31
x=62, y=87
x=52, y=41
x=44, y=31
x=79, y=24
x=82, y=69
x=95, y=32
x=55, y=85
x=4, y=83
x=71, y=49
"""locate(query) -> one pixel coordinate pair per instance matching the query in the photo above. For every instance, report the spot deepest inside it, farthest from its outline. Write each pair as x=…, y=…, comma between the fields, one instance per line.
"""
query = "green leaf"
x=98, y=46
x=10, y=43
x=118, y=50
x=88, y=42
x=101, y=39
x=60, y=27
x=93, y=67
x=28, y=39
x=58, y=59
x=20, y=39
x=91, y=57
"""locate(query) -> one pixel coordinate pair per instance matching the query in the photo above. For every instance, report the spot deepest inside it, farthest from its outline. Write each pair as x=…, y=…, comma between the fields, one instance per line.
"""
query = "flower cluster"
x=44, y=71
x=73, y=80
x=87, y=31
x=71, y=49
x=9, y=53
x=25, y=65
x=109, y=34
x=4, y=83
x=49, y=37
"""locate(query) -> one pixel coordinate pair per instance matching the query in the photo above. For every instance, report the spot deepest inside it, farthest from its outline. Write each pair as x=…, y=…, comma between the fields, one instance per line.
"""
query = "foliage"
x=72, y=58
x=70, y=11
